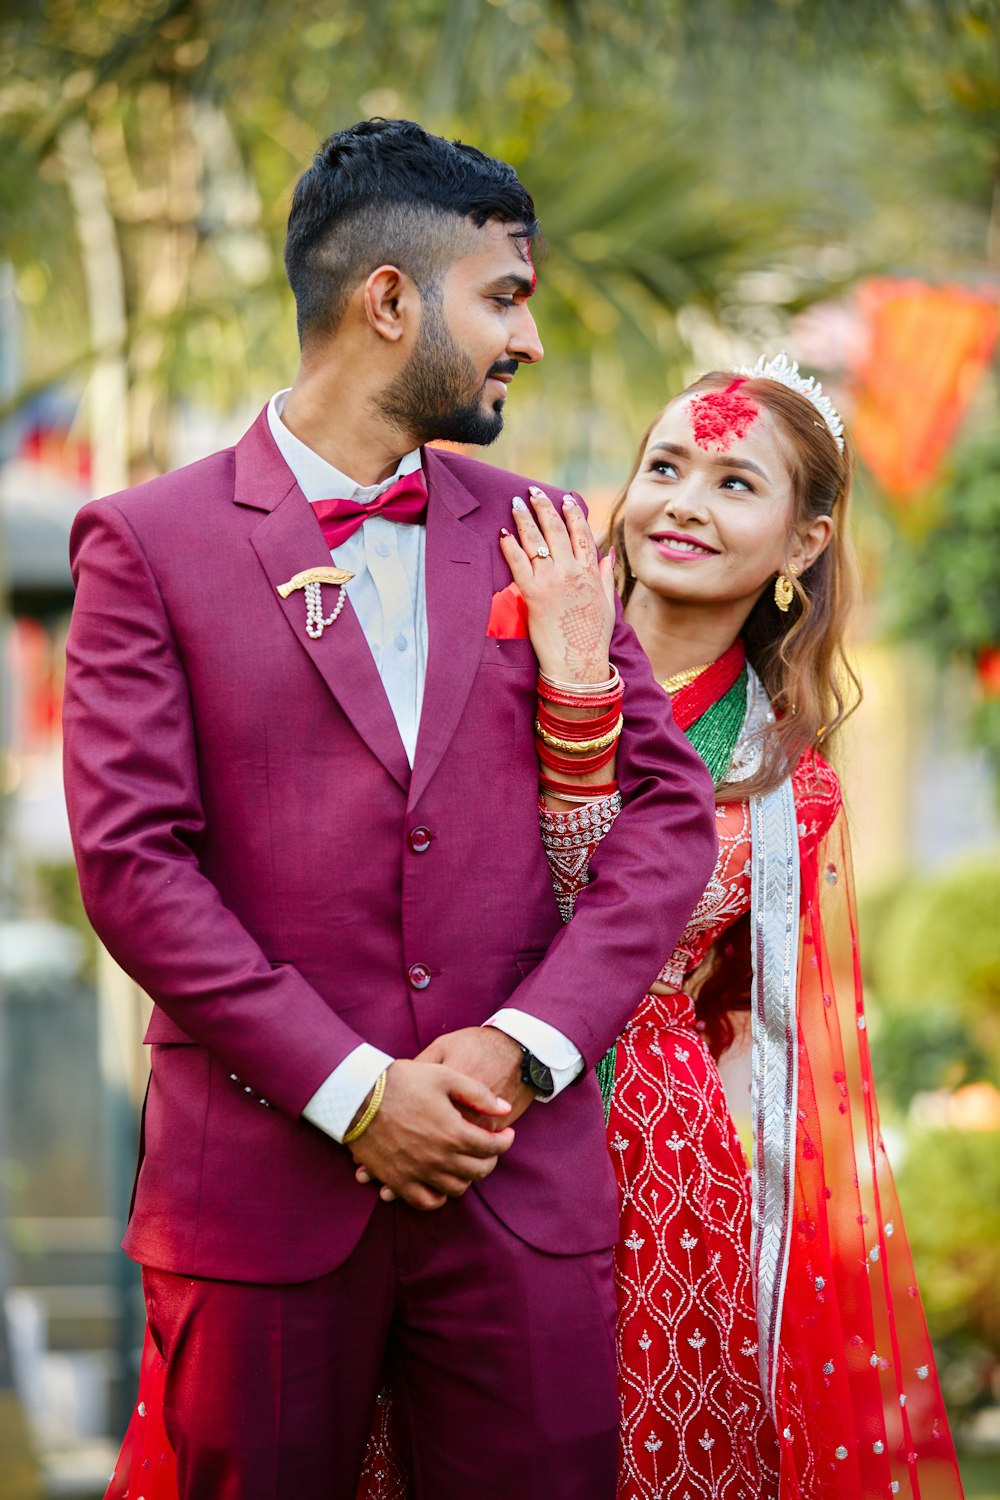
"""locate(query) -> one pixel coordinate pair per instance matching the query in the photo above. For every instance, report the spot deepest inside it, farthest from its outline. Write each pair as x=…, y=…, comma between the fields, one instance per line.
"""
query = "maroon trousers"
x=503, y=1362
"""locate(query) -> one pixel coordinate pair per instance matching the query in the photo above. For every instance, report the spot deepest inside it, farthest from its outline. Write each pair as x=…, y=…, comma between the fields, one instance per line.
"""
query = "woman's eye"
x=734, y=481
x=504, y=301
x=661, y=466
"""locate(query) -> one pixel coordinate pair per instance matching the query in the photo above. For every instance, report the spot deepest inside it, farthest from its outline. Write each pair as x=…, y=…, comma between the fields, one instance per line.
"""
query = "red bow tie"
x=404, y=501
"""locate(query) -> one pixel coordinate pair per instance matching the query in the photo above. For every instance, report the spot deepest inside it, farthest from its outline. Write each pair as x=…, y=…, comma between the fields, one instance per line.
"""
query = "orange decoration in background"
x=988, y=671
x=927, y=349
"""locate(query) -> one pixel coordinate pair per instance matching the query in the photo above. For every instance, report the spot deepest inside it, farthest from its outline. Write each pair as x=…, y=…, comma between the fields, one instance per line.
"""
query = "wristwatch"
x=536, y=1075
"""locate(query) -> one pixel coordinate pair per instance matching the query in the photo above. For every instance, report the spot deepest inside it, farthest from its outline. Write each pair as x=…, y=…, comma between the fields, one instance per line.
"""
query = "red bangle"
x=566, y=700
x=576, y=729
x=580, y=700
x=581, y=765
x=572, y=789
x=559, y=760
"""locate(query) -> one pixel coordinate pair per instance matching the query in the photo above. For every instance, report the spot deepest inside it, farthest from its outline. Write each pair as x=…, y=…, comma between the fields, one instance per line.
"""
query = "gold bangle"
x=579, y=747
x=370, y=1112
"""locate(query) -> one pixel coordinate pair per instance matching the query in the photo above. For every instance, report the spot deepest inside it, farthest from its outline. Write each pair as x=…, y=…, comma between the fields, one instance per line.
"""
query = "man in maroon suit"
x=305, y=820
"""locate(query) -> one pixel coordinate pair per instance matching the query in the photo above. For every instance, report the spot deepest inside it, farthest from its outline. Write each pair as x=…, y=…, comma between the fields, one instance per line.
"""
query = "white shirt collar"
x=318, y=479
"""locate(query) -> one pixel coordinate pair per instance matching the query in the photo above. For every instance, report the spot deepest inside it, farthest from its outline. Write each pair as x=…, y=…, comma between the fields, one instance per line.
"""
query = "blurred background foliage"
x=932, y=960
x=950, y=1186
x=713, y=179
x=945, y=584
x=680, y=165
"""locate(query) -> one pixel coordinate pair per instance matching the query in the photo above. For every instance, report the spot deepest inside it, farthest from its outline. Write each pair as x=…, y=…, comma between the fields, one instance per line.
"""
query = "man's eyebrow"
x=511, y=283
x=720, y=459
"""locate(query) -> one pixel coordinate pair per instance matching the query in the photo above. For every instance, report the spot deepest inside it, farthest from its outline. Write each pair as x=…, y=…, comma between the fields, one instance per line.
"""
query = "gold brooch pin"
x=311, y=581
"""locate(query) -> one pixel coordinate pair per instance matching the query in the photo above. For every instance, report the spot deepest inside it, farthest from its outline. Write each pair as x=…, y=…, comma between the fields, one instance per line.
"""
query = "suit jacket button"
x=419, y=840
x=419, y=976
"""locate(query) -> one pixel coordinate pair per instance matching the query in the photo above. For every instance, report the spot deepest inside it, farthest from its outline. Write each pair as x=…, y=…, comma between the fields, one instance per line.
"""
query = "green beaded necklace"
x=714, y=736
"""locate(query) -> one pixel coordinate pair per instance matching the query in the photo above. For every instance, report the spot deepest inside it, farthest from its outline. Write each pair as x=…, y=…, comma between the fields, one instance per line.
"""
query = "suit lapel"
x=287, y=541
x=458, y=591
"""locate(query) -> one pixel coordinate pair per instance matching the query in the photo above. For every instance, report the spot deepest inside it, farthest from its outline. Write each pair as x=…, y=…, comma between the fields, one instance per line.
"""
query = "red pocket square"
x=508, y=615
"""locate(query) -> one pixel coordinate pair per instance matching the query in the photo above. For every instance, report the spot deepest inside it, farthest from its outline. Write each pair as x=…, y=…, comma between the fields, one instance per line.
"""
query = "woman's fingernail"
x=612, y=555
x=536, y=493
x=504, y=533
x=568, y=500
x=517, y=503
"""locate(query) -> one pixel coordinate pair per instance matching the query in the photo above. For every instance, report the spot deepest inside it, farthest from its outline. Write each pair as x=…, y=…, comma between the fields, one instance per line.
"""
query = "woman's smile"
x=678, y=547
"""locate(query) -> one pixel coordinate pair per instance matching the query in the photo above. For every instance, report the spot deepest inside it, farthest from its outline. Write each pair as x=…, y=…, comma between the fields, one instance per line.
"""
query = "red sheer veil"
x=846, y=1358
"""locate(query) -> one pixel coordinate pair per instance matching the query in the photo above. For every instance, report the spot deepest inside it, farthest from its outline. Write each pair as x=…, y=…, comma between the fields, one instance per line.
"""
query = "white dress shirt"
x=387, y=595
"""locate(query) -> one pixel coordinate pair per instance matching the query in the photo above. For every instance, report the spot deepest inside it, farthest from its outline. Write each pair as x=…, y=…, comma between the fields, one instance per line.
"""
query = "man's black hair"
x=387, y=192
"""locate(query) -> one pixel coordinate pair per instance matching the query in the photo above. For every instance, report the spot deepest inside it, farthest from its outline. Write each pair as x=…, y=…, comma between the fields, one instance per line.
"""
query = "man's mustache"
x=504, y=367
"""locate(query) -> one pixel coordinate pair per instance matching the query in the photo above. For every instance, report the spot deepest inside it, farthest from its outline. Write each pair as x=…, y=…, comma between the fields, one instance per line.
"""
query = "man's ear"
x=392, y=303
x=810, y=543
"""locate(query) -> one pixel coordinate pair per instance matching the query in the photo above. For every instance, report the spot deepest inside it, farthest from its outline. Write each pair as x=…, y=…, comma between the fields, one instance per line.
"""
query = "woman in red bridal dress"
x=771, y=1341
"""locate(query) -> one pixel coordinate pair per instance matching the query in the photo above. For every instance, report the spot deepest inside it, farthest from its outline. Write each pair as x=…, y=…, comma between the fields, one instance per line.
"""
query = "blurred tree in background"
x=946, y=582
x=687, y=177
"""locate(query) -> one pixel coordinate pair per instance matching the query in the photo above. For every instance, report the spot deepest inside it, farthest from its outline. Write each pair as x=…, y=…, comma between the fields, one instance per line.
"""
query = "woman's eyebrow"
x=722, y=460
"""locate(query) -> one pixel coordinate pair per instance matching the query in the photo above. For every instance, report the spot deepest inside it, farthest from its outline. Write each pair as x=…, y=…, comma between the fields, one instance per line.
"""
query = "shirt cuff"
x=338, y=1099
x=550, y=1046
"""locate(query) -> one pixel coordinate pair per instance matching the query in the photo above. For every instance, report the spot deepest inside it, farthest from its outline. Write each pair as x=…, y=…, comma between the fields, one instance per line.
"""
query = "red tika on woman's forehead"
x=720, y=417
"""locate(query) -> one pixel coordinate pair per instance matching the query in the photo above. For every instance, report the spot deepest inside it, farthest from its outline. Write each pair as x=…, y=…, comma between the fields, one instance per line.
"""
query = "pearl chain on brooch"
x=316, y=623
x=311, y=581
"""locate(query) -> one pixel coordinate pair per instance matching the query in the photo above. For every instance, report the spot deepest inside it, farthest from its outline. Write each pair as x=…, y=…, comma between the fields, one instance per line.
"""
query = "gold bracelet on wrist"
x=370, y=1112
x=579, y=747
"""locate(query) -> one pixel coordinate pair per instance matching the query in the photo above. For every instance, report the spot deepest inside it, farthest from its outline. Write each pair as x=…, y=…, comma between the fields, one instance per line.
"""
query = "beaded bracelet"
x=372, y=1110
x=579, y=828
x=580, y=747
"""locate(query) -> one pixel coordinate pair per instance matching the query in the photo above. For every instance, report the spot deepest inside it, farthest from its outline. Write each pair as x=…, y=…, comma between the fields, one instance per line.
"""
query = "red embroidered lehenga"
x=771, y=1339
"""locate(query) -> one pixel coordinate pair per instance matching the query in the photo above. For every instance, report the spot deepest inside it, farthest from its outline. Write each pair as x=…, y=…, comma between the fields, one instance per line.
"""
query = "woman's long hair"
x=799, y=656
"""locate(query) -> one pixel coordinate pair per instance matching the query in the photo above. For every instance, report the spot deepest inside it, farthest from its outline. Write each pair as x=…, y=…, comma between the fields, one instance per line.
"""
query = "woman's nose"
x=686, y=501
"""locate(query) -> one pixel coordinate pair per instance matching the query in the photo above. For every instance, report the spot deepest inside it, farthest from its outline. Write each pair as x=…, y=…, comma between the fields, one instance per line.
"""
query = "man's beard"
x=438, y=393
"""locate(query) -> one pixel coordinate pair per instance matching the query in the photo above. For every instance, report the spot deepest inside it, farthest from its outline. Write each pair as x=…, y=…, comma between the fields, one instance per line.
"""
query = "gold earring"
x=784, y=591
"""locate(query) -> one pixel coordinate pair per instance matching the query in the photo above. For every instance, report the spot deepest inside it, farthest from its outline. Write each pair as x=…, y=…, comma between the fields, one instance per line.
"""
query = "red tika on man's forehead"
x=720, y=417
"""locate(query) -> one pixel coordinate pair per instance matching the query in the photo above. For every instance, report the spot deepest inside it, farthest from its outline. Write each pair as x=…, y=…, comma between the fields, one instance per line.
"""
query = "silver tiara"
x=787, y=372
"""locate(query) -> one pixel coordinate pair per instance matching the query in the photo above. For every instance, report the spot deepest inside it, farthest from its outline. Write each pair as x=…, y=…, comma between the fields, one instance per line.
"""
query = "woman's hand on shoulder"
x=567, y=587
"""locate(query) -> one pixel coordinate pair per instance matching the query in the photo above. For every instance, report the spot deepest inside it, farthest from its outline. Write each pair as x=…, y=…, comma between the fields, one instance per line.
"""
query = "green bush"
x=922, y=1051
x=950, y=1192
x=940, y=942
x=932, y=960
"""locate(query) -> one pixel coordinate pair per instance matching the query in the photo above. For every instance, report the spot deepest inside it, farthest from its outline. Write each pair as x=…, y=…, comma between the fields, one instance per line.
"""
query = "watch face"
x=541, y=1076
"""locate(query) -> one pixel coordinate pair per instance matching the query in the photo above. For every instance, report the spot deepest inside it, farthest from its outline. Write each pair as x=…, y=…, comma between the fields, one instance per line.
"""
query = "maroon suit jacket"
x=241, y=806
